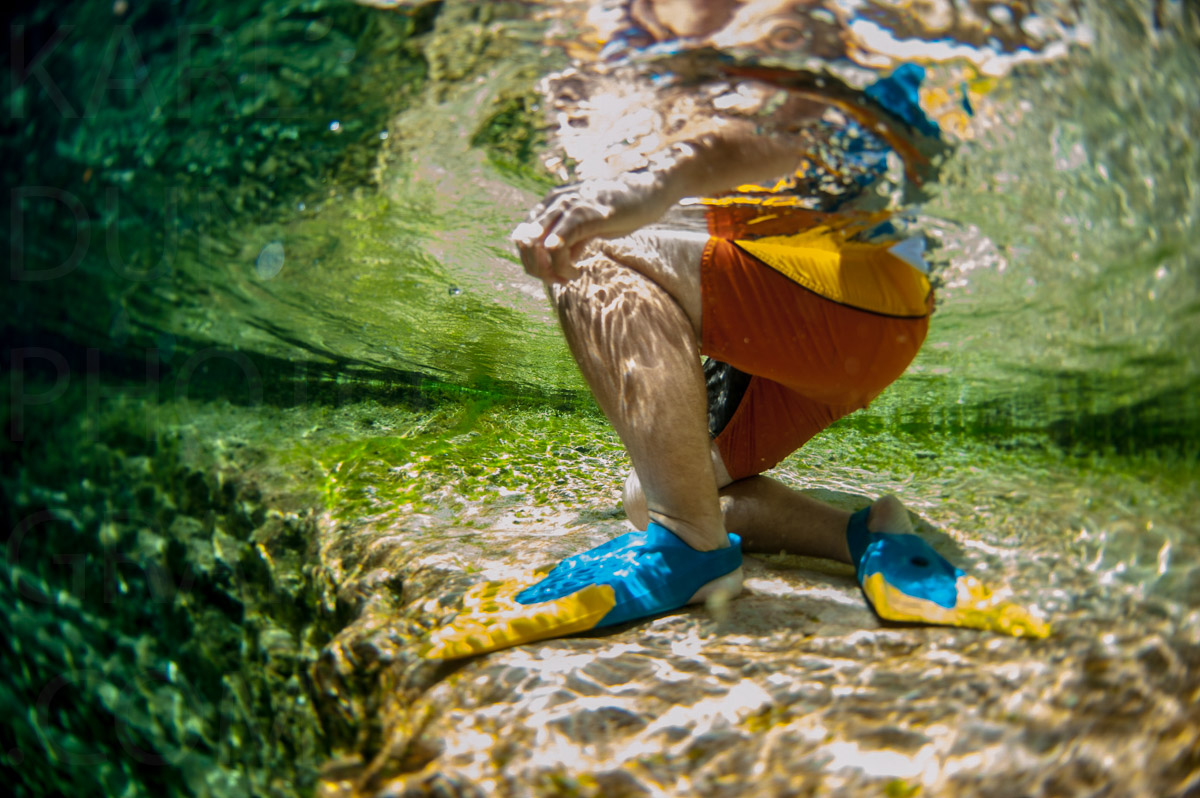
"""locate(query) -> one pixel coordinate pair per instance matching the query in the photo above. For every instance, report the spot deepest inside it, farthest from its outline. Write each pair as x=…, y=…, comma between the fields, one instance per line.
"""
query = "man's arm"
x=734, y=154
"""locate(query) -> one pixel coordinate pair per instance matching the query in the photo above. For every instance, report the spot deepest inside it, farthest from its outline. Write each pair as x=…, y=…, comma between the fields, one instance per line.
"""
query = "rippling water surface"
x=1070, y=271
x=1046, y=437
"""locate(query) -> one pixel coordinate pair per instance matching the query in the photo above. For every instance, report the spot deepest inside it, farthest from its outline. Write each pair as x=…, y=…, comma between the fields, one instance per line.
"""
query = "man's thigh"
x=670, y=258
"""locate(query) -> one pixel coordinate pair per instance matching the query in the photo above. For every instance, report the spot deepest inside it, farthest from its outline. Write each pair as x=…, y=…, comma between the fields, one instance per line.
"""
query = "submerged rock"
x=267, y=638
x=794, y=686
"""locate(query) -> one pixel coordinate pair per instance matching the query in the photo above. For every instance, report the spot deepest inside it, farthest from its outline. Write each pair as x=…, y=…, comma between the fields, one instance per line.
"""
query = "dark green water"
x=269, y=355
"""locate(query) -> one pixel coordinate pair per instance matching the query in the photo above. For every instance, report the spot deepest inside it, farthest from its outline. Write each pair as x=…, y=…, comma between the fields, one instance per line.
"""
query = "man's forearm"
x=720, y=161
x=728, y=156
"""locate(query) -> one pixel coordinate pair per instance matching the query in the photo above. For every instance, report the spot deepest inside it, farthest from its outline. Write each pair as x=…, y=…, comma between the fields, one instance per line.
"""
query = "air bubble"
x=270, y=260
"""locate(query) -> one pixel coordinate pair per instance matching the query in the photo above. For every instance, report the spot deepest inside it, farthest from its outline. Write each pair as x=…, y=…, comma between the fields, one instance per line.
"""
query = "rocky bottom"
x=262, y=623
x=795, y=687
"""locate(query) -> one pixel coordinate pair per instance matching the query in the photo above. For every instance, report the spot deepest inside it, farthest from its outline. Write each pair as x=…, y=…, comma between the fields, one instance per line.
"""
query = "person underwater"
x=751, y=206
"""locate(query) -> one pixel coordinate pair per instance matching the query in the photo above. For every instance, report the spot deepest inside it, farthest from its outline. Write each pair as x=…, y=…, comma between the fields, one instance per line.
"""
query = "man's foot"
x=634, y=576
x=904, y=579
x=650, y=572
x=888, y=514
x=634, y=501
x=722, y=588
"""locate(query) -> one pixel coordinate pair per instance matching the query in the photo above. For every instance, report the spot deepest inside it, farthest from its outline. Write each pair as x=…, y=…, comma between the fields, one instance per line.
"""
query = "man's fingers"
x=555, y=231
x=546, y=266
x=565, y=241
x=561, y=266
x=528, y=237
x=573, y=225
x=558, y=255
x=527, y=233
x=536, y=262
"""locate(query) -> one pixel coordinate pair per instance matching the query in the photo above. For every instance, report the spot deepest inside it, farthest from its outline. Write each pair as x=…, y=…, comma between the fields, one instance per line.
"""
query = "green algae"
x=514, y=134
x=159, y=619
x=476, y=457
x=172, y=623
x=246, y=634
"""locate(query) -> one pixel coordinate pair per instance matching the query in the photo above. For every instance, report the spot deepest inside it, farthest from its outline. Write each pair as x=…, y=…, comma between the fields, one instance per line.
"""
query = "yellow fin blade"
x=976, y=608
x=492, y=619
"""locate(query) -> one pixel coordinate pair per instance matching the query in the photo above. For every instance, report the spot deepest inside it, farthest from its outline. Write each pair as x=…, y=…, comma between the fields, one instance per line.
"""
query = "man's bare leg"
x=638, y=304
x=637, y=350
x=770, y=517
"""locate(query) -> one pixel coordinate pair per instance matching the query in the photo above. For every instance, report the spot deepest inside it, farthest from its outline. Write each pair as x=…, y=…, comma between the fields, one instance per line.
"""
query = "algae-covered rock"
x=268, y=639
x=151, y=652
x=209, y=105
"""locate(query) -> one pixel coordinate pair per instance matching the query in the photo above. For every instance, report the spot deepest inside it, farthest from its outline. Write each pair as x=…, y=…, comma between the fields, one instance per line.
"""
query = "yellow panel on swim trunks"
x=864, y=276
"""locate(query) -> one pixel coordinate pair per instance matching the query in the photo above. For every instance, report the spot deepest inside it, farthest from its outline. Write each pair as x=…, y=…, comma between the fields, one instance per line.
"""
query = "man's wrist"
x=665, y=178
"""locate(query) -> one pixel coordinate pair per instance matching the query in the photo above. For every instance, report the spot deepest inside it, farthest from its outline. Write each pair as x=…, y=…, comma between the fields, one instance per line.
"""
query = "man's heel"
x=722, y=588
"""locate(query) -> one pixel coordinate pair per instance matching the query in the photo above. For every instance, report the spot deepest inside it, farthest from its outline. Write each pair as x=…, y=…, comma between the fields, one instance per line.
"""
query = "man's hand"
x=729, y=155
x=561, y=224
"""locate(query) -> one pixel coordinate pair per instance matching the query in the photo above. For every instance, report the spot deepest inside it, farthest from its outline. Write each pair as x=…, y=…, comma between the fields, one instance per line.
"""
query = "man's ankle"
x=695, y=537
x=888, y=514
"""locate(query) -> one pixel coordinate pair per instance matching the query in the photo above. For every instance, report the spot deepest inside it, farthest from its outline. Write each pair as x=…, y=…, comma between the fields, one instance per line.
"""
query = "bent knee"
x=610, y=301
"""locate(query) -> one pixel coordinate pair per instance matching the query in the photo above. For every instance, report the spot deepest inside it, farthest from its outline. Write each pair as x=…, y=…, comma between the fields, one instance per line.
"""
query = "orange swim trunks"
x=800, y=331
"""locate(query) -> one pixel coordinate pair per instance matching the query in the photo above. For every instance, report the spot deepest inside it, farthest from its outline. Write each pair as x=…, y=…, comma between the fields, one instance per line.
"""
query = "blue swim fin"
x=650, y=572
x=904, y=579
x=634, y=576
